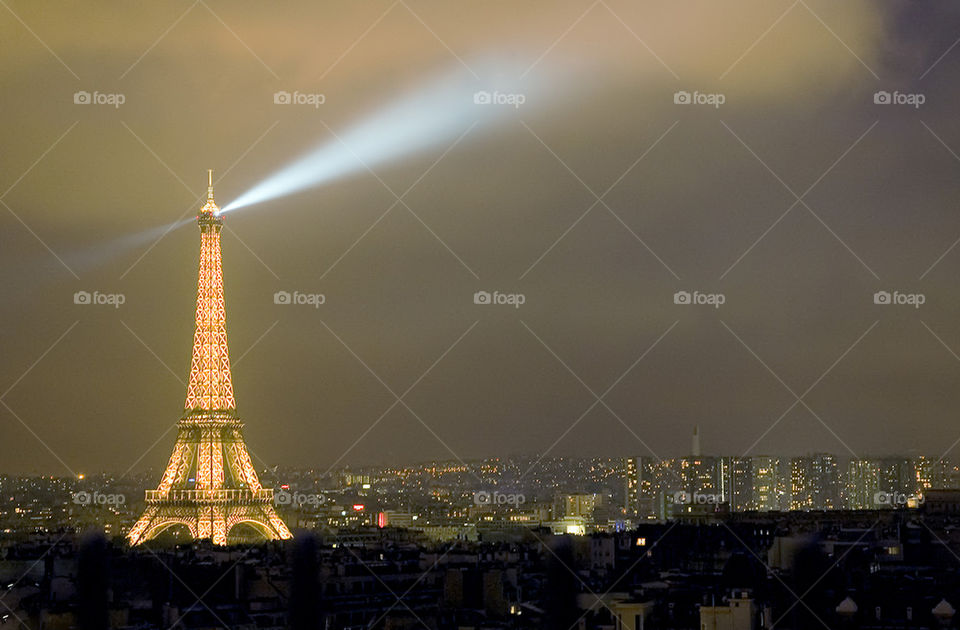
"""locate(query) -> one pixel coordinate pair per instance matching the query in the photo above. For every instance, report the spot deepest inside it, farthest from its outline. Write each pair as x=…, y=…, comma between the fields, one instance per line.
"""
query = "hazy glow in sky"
x=434, y=115
x=90, y=258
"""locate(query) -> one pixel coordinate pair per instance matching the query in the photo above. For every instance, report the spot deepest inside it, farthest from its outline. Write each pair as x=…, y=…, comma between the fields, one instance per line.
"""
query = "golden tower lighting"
x=210, y=484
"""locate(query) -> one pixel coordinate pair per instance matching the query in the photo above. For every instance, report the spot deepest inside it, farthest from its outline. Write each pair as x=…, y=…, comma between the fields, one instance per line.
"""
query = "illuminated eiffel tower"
x=210, y=484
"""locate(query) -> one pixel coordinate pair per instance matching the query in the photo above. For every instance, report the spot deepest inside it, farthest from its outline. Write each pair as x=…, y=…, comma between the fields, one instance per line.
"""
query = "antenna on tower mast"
x=210, y=184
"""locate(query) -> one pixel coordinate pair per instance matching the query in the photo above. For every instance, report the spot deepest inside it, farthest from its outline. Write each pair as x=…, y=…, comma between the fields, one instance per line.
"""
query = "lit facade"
x=814, y=482
x=631, y=504
x=741, y=484
x=862, y=484
x=769, y=484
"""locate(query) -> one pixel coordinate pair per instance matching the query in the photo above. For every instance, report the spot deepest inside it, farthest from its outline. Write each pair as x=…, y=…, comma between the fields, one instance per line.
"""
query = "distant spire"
x=696, y=441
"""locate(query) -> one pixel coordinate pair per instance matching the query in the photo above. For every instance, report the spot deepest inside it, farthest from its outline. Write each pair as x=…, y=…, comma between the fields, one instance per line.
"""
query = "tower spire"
x=210, y=208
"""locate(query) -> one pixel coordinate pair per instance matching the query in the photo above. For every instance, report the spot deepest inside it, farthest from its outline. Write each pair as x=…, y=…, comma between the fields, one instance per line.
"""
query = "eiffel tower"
x=210, y=484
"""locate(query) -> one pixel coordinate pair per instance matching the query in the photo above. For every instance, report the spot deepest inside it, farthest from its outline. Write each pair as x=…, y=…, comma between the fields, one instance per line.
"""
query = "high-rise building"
x=897, y=481
x=861, y=484
x=931, y=473
x=704, y=474
x=631, y=502
x=210, y=485
x=741, y=484
x=770, y=483
x=655, y=480
x=814, y=482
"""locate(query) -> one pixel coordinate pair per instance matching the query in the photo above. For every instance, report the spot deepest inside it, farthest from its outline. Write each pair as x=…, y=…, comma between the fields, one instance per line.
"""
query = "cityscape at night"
x=403, y=314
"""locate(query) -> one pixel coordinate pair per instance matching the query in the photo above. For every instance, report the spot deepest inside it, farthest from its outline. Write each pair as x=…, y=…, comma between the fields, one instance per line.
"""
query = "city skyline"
x=554, y=315
x=452, y=500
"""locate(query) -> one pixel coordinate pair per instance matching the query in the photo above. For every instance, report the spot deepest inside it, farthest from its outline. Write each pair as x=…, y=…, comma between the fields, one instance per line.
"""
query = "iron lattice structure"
x=210, y=484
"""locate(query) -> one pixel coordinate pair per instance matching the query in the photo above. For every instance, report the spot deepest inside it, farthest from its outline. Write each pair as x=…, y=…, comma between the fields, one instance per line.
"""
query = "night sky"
x=597, y=199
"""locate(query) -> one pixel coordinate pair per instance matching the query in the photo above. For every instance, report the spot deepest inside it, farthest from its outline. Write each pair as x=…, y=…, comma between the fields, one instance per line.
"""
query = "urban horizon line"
x=512, y=457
